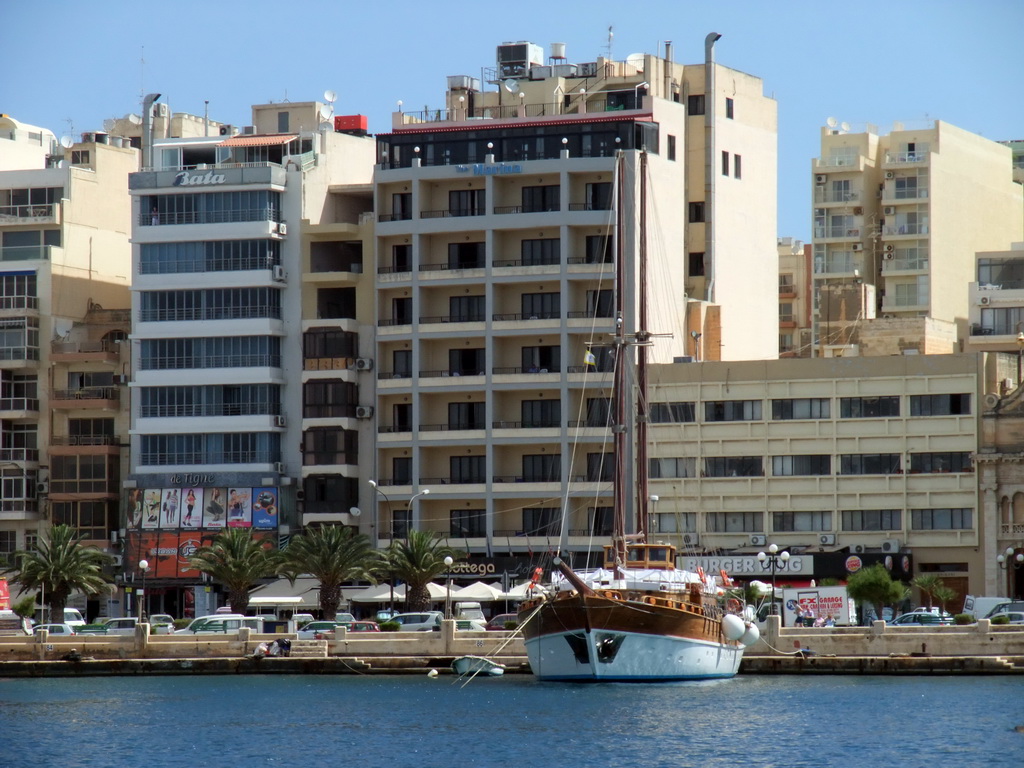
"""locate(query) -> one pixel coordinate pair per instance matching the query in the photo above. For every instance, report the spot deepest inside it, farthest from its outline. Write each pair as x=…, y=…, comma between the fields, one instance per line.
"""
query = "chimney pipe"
x=147, y=129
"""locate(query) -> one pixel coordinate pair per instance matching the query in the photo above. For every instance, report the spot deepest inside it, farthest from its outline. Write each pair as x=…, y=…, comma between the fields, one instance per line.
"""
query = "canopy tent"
x=437, y=592
x=478, y=591
x=303, y=594
x=518, y=592
x=380, y=593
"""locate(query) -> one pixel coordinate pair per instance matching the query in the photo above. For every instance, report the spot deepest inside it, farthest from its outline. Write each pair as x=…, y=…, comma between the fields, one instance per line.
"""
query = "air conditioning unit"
x=122, y=378
x=364, y=411
x=827, y=539
x=889, y=210
x=891, y=546
x=691, y=539
x=819, y=211
x=820, y=178
x=858, y=246
x=890, y=248
x=282, y=228
x=279, y=467
x=226, y=130
x=859, y=549
x=985, y=301
x=117, y=560
x=858, y=211
x=888, y=255
x=280, y=421
x=758, y=540
x=300, y=495
x=162, y=110
x=890, y=174
x=42, y=487
x=277, y=272
x=364, y=364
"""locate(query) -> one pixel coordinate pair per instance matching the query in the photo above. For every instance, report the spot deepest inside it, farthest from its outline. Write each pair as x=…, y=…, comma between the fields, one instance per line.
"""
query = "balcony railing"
x=906, y=229
x=192, y=410
x=588, y=207
x=535, y=424
x=451, y=213
x=917, y=193
x=450, y=427
x=85, y=440
x=176, y=363
x=393, y=429
x=446, y=266
x=531, y=316
x=20, y=213
x=394, y=270
x=253, y=311
x=401, y=216
x=19, y=302
x=84, y=347
x=469, y=480
x=19, y=454
x=836, y=196
x=528, y=263
x=88, y=393
x=531, y=369
x=19, y=404
x=432, y=320
x=25, y=252
x=435, y=374
x=894, y=158
x=394, y=374
x=851, y=233
x=234, y=215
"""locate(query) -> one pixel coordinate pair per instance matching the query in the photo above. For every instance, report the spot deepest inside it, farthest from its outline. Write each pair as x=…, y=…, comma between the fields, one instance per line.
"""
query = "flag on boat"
x=589, y=358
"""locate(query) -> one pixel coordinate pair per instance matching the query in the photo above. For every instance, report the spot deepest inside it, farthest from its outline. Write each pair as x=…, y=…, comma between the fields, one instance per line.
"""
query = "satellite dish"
x=512, y=86
x=831, y=122
x=134, y=119
x=845, y=126
x=62, y=164
x=330, y=96
x=66, y=141
x=636, y=60
x=325, y=126
x=326, y=111
x=109, y=125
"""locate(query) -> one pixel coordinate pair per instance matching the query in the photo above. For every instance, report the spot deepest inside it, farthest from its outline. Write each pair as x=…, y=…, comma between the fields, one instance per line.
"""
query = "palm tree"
x=59, y=566
x=417, y=560
x=332, y=554
x=874, y=586
x=237, y=561
x=927, y=583
x=944, y=594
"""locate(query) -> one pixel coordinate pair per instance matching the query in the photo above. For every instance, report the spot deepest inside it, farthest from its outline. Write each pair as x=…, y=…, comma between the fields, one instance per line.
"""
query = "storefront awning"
x=250, y=140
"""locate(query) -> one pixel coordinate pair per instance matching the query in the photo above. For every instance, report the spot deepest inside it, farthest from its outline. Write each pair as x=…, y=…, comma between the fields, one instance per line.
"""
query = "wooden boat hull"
x=595, y=638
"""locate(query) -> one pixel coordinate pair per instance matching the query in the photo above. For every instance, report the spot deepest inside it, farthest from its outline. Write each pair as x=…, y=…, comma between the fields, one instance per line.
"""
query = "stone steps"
x=309, y=649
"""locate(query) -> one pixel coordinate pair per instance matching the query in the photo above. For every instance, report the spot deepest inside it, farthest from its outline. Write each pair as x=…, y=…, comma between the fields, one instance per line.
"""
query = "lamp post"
x=391, y=515
x=144, y=567
x=448, y=592
x=408, y=509
x=1020, y=355
x=1010, y=558
x=775, y=561
x=636, y=94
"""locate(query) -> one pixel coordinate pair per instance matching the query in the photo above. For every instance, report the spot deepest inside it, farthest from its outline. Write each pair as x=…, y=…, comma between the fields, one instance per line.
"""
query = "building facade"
x=795, y=298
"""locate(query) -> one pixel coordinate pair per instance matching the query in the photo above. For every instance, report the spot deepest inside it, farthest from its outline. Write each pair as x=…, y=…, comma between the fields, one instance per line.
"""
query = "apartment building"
x=795, y=298
x=247, y=253
x=872, y=458
x=496, y=230
x=897, y=218
x=64, y=262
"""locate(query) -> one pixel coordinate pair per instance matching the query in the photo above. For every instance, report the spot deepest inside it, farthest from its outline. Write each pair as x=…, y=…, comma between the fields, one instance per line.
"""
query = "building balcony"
x=453, y=213
x=906, y=158
x=896, y=230
x=25, y=253
x=90, y=445
x=837, y=233
x=19, y=408
x=840, y=163
x=85, y=351
x=19, y=455
x=385, y=218
x=48, y=213
x=825, y=195
x=227, y=174
x=105, y=398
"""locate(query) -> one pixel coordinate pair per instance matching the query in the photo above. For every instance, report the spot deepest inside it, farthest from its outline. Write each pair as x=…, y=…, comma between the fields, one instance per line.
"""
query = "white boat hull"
x=641, y=657
x=477, y=665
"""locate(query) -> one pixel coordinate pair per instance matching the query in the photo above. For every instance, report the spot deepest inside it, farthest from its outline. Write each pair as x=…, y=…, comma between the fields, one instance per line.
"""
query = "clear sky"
x=69, y=65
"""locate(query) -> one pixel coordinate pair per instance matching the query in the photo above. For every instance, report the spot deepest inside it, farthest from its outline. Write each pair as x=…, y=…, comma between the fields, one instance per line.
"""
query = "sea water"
x=417, y=721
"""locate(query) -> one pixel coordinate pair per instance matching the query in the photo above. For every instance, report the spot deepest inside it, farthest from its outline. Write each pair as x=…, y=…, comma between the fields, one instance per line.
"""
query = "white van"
x=980, y=607
x=219, y=625
x=73, y=617
x=471, y=611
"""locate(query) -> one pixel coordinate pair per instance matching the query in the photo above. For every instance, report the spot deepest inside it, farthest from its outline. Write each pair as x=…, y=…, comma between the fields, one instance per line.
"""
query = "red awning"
x=251, y=140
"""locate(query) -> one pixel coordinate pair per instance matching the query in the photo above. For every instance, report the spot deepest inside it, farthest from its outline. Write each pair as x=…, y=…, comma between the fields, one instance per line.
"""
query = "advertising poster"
x=214, y=511
x=5, y=595
x=168, y=553
x=169, y=509
x=134, y=508
x=191, y=508
x=151, y=508
x=240, y=507
x=264, y=509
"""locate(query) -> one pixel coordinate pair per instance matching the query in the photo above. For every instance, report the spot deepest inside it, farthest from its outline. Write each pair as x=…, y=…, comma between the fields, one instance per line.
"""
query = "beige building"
x=827, y=459
x=495, y=233
x=64, y=256
x=795, y=298
x=897, y=219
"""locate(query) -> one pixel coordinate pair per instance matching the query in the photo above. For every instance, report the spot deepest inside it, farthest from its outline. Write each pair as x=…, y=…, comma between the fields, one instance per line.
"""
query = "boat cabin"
x=650, y=556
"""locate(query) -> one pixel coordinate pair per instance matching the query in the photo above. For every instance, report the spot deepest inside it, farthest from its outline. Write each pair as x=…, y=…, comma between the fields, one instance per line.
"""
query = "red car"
x=364, y=626
x=498, y=622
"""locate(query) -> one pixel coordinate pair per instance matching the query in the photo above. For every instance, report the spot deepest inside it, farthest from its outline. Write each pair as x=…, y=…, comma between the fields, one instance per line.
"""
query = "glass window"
x=735, y=522
x=816, y=464
x=799, y=522
x=600, y=466
x=940, y=405
x=541, y=251
x=732, y=410
x=737, y=167
x=872, y=520
x=541, y=413
x=869, y=407
x=468, y=523
x=685, y=466
x=672, y=413
x=541, y=521
x=733, y=466
x=729, y=105
x=696, y=212
x=870, y=464
x=953, y=461
x=941, y=519
x=468, y=469
x=542, y=468
x=695, y=104
x=802, y=408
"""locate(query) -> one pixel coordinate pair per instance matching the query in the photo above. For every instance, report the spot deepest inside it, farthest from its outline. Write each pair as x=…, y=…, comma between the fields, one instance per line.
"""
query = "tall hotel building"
x=897, y=221
x=64, y=275
x=495, y=237
x=247, y=251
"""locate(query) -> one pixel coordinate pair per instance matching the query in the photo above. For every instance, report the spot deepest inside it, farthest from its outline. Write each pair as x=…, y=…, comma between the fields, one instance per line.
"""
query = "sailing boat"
x=637, y=618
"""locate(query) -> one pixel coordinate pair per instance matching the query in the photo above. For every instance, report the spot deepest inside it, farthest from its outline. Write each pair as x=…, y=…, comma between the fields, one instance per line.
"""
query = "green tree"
x=59, y=566
x=236, y=560
x=944, y=594
x=332, y=554
x=418, y=560
x=874, y=586
x=26, y=607
x=927, y=583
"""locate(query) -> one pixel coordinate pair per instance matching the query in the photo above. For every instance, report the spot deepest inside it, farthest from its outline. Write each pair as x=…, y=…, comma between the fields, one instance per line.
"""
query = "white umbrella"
x=437, y=592
x=379, y=594
x=478, y=591
x=518, y=592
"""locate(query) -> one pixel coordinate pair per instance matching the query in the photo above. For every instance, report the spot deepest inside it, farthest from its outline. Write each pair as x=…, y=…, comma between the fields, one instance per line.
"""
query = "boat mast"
x=642, y=341
x=619, y=379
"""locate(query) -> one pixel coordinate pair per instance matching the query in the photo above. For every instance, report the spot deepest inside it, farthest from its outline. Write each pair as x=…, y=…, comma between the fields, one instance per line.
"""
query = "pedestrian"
x=799, y=615
x=830, y=621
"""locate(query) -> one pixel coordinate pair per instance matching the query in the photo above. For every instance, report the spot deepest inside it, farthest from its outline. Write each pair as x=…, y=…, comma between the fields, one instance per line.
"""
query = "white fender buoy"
x=432, y=673
x=732, y=626
x=751, y=636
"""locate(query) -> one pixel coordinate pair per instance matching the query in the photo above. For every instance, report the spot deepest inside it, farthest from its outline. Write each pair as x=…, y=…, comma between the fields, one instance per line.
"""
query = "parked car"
x=318, y=630
x=161, y=624
x=302, y=618
x=112, y=626
x=55, y=630
x=385, y=614
x=364, y=626
x=471, y=625
x=196, y=624
x=428, y=621
x=1015, y=617
x=921, y=619
x=498, y=622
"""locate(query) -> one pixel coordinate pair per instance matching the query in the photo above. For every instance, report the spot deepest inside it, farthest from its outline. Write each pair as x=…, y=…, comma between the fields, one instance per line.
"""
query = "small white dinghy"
x=477, y=665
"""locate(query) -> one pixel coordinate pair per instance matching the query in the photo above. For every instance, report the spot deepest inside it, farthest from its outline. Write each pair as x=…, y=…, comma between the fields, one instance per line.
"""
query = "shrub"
x=510, y=625
x=390, y=626
x=963, y=618
x=181, y=623
x=1000, y=620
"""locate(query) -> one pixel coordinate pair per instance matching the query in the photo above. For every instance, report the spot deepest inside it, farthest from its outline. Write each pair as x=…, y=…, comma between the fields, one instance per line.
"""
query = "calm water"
x=513, y=721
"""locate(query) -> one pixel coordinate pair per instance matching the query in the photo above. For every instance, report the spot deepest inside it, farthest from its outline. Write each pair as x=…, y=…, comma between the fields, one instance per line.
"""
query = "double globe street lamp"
x=144, y=567
x=1010, y=558
x=775, y=561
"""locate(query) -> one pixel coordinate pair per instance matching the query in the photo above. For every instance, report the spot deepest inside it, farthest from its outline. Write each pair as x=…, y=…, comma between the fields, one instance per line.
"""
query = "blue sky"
x=69, y=65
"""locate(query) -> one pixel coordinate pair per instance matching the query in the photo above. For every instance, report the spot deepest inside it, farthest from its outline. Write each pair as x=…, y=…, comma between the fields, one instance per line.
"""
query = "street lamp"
x=1020, y=354
x=144, y=567
x=448, y=593
x=636, y=93
x=1006, y=560
x=391, y=515
x=408, y=509
x=775, y=561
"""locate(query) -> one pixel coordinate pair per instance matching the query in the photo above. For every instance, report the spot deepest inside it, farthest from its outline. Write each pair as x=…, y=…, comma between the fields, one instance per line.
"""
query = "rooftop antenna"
x=327, y=110
x=611, y=36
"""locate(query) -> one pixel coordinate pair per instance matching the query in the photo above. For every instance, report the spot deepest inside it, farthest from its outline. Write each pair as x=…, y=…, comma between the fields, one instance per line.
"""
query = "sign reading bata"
x=185, y=508
x=186, y=179
x=741, y=565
